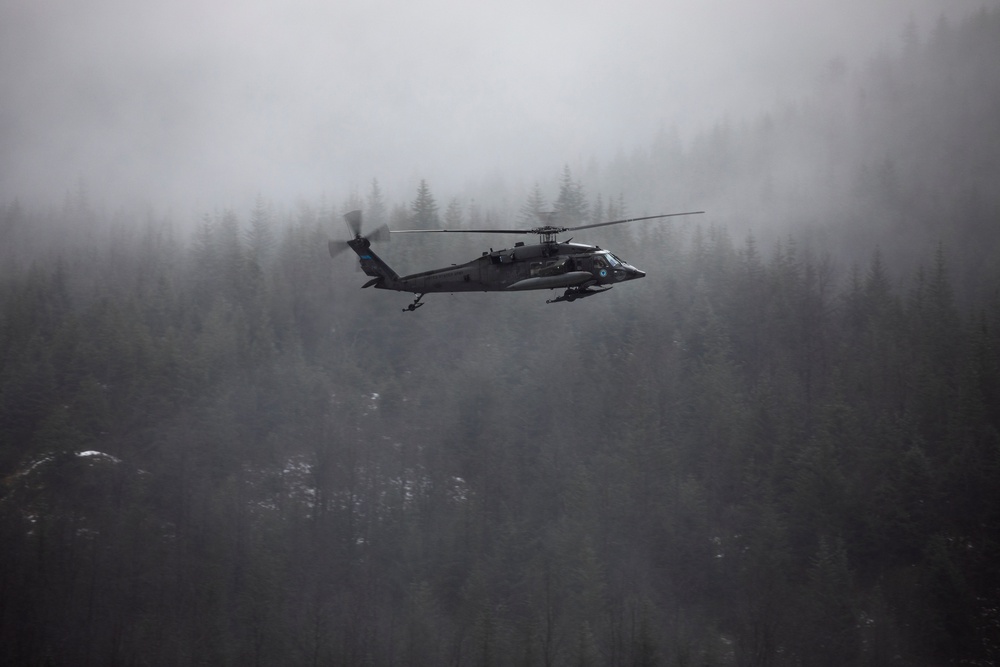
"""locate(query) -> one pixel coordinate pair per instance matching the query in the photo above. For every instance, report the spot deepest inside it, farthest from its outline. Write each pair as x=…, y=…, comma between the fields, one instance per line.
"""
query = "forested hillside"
x=216, y=449
x=900, y=153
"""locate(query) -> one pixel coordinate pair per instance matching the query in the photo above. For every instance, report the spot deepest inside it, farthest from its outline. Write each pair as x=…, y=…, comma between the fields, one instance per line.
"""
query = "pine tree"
x=376, y=213
x=260, y=237
x=597, y=212
x=453, y=215
x=617, y=210
x=424, y=209
x=571, y=204
x=530, y=213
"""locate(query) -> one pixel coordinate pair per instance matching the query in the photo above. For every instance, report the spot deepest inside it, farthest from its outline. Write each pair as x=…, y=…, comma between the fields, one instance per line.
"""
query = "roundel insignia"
x=604, y=273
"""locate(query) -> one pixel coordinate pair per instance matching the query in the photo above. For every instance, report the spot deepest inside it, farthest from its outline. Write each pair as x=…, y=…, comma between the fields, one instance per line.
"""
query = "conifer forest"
x=781, y=447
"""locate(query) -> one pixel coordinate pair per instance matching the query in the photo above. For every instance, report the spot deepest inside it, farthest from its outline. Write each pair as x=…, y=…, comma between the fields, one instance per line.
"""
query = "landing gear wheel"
x=416, y=304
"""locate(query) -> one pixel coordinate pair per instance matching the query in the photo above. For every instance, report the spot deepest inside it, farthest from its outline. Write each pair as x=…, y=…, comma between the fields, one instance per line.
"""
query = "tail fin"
x=371, y=263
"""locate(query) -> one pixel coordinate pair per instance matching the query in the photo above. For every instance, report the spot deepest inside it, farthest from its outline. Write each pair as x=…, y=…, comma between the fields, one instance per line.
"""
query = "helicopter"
x=583, y=270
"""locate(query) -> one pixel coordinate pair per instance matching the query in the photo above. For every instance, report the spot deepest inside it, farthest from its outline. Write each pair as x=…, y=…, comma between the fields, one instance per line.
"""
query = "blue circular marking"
x=604, y=273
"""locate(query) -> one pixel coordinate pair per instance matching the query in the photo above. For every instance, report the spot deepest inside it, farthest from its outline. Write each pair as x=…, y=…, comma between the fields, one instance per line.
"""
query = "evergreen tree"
x=260, y=237
x=376, y=212
x=571, y=204
x=424, y=209
x=617, y=210
x=453, y=215
x=530, y=212
x=597, y=212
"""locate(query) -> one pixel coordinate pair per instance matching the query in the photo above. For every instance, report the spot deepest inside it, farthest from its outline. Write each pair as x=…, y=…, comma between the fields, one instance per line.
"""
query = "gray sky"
x=198, y=104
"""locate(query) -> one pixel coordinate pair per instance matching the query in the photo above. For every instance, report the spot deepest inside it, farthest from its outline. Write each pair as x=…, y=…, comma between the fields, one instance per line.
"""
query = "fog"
x=190, y=107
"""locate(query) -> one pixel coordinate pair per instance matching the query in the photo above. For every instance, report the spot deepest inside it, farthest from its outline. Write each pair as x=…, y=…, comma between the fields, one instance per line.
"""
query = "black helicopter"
x=584, y=270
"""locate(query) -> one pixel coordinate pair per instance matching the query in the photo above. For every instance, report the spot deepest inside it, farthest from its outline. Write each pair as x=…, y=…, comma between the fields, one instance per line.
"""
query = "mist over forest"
x=780, y=447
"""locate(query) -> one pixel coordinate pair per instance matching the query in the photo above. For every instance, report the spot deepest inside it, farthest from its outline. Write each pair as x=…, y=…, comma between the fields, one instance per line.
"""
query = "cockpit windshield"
x=613, y=261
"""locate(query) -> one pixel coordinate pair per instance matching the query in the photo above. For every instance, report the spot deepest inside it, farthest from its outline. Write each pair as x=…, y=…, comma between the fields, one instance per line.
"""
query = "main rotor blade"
x=548, y=229
x=618, y=222
x=463, y=231
x=353, y=219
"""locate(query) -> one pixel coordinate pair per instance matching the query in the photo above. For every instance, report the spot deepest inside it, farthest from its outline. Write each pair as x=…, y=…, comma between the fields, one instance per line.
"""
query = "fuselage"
x=523, y=267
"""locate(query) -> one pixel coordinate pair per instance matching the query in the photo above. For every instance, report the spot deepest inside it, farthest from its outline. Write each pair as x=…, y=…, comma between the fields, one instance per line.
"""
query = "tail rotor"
x=354, y=225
